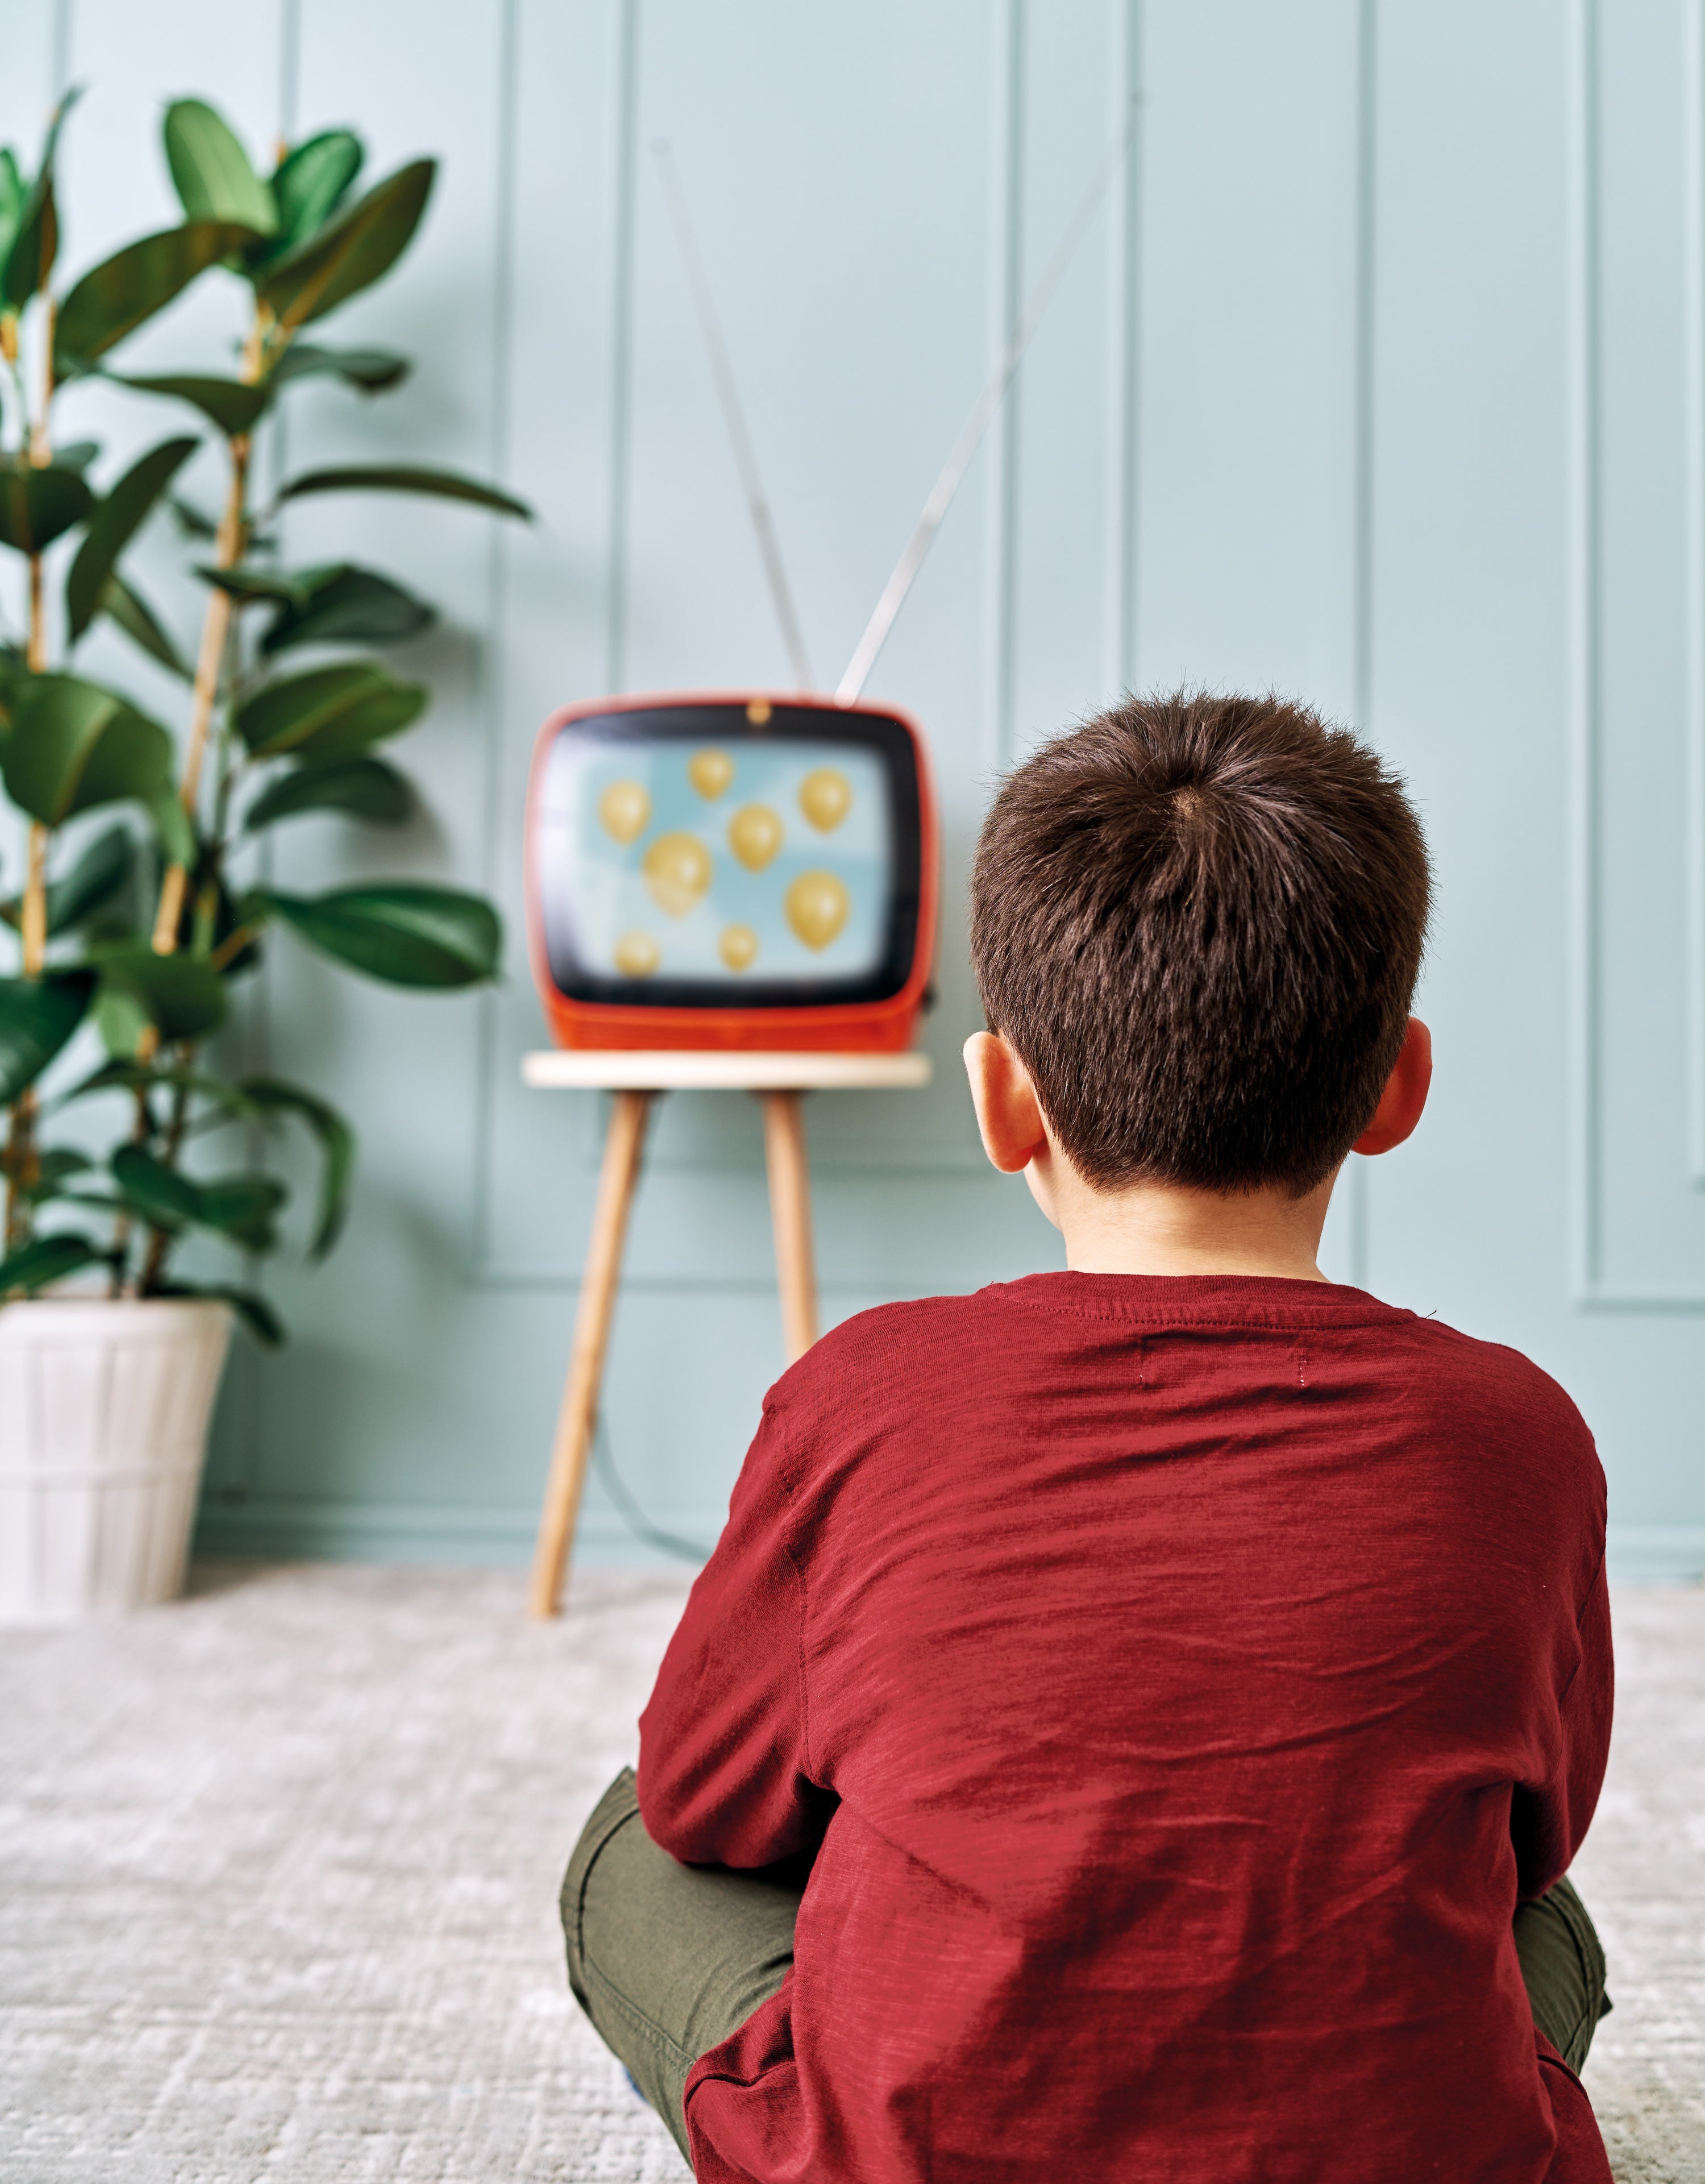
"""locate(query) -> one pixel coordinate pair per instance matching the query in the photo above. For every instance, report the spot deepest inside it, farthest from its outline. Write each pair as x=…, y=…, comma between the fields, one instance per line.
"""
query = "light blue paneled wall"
x=1380, y=377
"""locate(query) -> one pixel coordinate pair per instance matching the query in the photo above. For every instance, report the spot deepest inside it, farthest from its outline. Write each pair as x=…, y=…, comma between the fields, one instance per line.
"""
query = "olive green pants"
x=667, y=1960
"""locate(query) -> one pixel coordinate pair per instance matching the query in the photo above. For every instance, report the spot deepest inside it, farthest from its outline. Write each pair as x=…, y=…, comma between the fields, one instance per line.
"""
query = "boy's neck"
x=1158, y=1228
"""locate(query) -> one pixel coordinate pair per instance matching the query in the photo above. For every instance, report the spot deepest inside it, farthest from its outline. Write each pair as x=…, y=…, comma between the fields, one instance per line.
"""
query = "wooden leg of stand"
x=573, y=1443
x=790, y=1209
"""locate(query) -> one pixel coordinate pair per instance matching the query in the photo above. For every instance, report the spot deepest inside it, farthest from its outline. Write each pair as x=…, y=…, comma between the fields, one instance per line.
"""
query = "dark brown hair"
x=1199, y=921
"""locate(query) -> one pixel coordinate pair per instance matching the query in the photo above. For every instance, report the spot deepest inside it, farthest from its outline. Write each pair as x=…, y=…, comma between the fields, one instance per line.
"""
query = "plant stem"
x=227, y=553
x=160, y=1239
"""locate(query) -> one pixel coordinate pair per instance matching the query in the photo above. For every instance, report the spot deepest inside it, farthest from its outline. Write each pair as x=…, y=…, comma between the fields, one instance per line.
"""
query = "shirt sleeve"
x=1549, y=1821
x=724, y=1772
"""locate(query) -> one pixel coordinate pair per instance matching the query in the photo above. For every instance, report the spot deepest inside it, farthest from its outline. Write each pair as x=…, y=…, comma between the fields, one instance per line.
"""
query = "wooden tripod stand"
x=636, y=1079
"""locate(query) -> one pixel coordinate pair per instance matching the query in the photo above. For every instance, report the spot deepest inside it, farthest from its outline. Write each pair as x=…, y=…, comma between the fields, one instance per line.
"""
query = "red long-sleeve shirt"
x=1184, y=1678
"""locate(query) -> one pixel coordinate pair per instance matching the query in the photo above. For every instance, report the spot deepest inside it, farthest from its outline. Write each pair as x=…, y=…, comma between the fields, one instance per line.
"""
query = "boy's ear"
x=1008, y=1116
x=1404, y=1095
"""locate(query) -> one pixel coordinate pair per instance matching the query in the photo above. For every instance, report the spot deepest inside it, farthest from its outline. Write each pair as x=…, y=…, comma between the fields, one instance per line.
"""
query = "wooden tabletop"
x=559, y=1069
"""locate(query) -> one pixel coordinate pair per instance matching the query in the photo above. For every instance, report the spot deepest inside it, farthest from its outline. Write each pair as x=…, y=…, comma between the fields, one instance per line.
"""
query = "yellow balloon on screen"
x=826, y=799
x=636, y=955
x=710, y=772
x=677, y=872
x=754, y=835
x=624, y=808
x=738, y=947
x=817, y=905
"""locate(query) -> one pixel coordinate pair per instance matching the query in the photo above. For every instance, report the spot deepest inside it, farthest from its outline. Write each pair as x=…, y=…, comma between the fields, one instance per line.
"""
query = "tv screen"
x=728, y=855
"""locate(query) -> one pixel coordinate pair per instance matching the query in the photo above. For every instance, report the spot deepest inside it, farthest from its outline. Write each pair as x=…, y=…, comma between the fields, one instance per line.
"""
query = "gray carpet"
x=279, y=1869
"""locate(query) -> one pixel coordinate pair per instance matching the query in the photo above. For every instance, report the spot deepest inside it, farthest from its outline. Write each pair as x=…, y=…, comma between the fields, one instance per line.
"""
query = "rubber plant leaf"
x=330, y=712
x=405, y=478
x=212, y=174
x=372, y=371
x=248, y=584
x=336, y=1142
x=39, y=505
x=347, y=606
x=103, y=869
x=13, y=193
x=38, y=1016
x=125, y=290
x=115, y=522
x=244, y=1207
x=48, y=1259
x=232, y=405
x=122, y=604
x=182, y=996
x=402, y=935
x=364, y=788
x=128, y=1075
x=310, y=182
x=77, y=456
x=356, y=249
x=164, y=1198
x=36, y=240
x=74, y=744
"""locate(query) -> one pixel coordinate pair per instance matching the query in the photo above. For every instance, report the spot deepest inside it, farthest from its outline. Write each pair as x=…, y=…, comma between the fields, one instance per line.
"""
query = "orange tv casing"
x=883, y=1025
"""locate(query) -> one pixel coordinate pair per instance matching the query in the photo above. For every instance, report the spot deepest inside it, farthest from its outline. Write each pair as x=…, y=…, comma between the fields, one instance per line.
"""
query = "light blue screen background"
x=604, y=880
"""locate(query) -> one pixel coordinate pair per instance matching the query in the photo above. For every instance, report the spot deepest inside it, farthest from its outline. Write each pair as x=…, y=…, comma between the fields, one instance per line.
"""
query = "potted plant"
x=132, y=928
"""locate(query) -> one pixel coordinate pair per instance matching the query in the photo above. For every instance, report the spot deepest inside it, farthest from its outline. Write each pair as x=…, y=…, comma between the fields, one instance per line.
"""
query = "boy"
x=1172, y=1675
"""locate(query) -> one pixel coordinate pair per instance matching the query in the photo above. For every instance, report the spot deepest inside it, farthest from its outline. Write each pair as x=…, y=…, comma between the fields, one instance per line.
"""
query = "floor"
x=280, y=1865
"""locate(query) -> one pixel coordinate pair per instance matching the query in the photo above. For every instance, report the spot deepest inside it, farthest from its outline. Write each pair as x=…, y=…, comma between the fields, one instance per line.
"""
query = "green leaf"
x=244, y=1207
x=405, y=478
x=77, y=456
x=73, y=745
x=310, y=182
x=254, y=1311
x=48, y=1259
x=123, y=605
x=36, y=241
x=37, y=506
x=356, y=250
x=38, y=1016
x=121, y=1020
x=361, y=788
x=400, y=935
x=103, y=869
x=372, y=371
x=182, y=996
x=126, y=289
x=192, y=521
x=211, y=171
x=337, y=1145
x=330, y=712
x=13, y=193
x=54, y=1170
x=172, y=825
x=164, y=1198
x=232, y=405
x=347, y=606
x=114, y=523
x=251, y=583
x=127, y=1075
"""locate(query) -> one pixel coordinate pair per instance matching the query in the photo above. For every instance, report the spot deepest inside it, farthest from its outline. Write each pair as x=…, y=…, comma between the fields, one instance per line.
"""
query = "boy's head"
x=1198, y=922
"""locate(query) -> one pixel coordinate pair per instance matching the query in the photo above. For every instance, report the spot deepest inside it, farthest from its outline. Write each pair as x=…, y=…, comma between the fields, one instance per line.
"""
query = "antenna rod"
x=988, y=402
x=793, y=636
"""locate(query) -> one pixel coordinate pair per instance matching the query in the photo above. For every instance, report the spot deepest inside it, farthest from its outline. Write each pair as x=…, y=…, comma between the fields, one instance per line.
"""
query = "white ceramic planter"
x=104, y=1405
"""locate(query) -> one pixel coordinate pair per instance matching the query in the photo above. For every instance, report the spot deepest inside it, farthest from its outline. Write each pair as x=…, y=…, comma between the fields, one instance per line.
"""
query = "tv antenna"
x=977, y=424
x=745, y=460
x=941, y=493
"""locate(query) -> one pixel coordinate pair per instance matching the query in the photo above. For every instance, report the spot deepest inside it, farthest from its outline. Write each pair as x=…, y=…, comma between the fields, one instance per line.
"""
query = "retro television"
x=734, y=872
